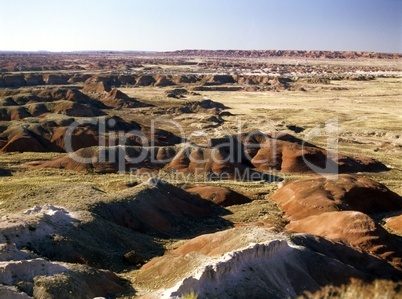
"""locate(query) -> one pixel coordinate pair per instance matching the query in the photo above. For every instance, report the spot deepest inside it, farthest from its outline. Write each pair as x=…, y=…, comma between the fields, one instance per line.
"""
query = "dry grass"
x=379, y=289
x=191, y=295
x=53, y=186
x=261, y=212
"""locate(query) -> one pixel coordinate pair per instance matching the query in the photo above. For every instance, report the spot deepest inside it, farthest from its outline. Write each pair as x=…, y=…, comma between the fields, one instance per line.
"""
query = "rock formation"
x=219, y=195
x=316, y=195
x=230, y=263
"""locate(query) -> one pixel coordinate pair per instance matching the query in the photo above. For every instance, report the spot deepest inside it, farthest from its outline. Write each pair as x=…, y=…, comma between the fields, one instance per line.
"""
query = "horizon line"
x=182, y=50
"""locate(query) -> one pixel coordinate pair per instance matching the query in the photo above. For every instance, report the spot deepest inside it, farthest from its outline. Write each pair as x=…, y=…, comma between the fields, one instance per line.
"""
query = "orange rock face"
x=395, y=223
x=219, y=195
x=316, y=195
x=353, y=228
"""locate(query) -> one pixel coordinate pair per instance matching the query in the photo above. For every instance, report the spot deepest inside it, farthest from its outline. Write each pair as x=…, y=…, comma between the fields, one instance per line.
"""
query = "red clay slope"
x=316, y=195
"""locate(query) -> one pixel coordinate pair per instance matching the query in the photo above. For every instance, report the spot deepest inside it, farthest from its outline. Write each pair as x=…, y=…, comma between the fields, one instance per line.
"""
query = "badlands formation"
x=200, y=174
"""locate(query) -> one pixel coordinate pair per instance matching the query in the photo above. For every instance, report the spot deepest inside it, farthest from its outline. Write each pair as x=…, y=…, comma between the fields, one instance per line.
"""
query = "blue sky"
x=160, y=25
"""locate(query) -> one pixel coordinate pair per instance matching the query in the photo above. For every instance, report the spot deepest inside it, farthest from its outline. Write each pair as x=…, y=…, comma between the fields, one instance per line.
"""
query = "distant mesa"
x=218, y=79
x=116, y=98
x=205, y=106
x=111, y=97
x=200, y=82
x=13, y=80
x=283, y=53
x=78, y=78
x=186, y=79
x=55, y=79
x=96, y=87
x=163, y=81
x=34, y=79
x=46, y=61
x=145, y=81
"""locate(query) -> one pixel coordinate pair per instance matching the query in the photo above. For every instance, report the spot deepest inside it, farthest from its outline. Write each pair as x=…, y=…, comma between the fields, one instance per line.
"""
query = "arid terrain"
x=201, y=174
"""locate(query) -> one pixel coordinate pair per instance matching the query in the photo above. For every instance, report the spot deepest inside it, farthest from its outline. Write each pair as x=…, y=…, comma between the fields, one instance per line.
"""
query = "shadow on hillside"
x=164, y=211
x=372, y=267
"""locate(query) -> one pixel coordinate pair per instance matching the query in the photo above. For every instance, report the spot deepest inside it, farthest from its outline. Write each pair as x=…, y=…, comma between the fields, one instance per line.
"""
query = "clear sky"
x=160, y=25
